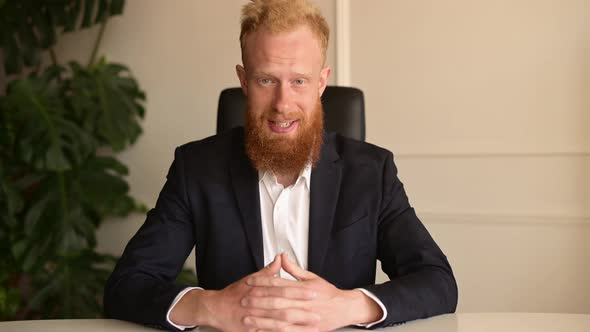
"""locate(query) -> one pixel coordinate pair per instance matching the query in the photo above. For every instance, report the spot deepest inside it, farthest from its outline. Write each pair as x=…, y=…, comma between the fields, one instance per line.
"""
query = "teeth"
x=283, y=124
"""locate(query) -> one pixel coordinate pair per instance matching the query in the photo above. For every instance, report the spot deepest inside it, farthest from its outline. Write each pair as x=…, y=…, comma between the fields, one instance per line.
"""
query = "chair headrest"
x=344, y=110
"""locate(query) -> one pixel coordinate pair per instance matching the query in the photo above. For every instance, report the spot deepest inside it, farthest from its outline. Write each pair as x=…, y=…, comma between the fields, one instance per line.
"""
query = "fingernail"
x=249, y=281
x=244, y=302
x=247, y=320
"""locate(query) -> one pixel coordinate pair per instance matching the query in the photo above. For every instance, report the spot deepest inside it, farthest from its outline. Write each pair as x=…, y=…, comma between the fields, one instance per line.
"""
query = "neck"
x=286, y=179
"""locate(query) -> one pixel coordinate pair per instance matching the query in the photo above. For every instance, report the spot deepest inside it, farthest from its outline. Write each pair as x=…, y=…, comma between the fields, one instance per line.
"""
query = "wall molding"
x=343, y=42
x=502, y=219
x=547, y=154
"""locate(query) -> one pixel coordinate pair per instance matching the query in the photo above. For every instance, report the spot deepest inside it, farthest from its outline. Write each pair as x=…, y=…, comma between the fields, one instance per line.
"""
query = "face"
x=283, y=80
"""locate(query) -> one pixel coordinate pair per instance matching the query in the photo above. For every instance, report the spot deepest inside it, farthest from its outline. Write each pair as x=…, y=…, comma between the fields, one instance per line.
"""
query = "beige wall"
x=484, y=103
x=487, y=107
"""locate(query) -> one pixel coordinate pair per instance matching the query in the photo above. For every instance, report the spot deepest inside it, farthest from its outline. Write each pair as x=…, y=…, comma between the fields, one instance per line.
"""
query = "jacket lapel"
x=244, y=179
x=325, y=186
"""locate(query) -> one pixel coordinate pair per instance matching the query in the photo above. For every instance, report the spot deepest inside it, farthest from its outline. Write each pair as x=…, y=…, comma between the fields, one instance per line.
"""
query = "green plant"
x=55, y=186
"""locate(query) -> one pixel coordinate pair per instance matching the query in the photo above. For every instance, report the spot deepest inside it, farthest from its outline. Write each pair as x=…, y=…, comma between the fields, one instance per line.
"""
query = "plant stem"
x=97, y=42
x=63, y=194
x=3, y=75
x=67, y=296
x=53, y=56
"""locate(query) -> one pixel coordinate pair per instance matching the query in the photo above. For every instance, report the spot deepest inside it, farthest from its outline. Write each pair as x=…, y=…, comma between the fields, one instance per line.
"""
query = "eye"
x=264, y=81
x=299, y=81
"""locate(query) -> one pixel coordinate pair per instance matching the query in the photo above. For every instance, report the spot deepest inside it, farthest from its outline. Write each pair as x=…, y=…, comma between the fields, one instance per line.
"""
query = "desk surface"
x=484, y=322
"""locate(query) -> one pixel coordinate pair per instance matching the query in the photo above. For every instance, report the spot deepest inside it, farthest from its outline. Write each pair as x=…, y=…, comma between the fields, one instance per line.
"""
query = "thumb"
x=293, y=269
x=274, y=267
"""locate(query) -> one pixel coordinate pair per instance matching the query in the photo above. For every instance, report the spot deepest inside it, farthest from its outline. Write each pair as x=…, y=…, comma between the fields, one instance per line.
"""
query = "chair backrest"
x=344, y=110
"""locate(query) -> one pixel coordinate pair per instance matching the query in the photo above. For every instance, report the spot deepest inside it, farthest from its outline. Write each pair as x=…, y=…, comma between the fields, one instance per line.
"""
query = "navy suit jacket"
x=359, y=213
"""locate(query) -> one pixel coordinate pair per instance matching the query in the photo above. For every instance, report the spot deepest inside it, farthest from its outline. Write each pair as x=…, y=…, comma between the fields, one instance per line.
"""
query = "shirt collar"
x=304, y=175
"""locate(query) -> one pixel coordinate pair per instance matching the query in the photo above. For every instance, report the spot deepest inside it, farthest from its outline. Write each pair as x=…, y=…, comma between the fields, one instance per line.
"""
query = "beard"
x=284, y=155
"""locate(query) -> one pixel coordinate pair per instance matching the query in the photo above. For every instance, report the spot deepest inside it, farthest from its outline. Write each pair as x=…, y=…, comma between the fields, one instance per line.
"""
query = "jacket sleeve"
x=142, y=287
x=421, y=280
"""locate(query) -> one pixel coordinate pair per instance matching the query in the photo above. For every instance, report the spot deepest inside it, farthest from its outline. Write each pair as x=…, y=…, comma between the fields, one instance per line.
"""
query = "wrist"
x=205, y=312
x=362, y=309
x=192, y=309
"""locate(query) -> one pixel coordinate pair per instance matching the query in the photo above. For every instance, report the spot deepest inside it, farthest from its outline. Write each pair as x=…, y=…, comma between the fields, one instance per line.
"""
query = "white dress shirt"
x=284, y=214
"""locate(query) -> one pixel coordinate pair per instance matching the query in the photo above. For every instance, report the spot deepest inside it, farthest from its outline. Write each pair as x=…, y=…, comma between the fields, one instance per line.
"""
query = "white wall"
x=484, y=103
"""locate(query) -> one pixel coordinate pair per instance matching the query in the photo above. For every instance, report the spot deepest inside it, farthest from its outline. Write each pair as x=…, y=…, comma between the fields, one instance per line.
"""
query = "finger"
x=268, y=281
x=273, y=268
x=292, y=328
x=294, y=269
x=296, y=293
x=291, y=316
x=272, y=303
x=281, y=318
x=264, y=323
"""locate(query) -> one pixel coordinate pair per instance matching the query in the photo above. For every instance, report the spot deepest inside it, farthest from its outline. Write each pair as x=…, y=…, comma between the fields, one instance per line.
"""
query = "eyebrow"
x=296, y=74
x=261, y=73
x=304, y=75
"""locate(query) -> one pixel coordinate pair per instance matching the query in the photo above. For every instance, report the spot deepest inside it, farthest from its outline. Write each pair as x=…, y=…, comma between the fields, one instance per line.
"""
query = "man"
x=316, y=209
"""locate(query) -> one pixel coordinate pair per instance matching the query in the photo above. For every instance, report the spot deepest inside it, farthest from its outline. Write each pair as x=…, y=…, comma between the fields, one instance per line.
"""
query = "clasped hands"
x=278, y=304
x=265, y=302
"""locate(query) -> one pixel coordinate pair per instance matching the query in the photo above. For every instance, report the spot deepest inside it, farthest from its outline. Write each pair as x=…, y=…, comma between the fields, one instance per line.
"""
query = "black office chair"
x=344, y=110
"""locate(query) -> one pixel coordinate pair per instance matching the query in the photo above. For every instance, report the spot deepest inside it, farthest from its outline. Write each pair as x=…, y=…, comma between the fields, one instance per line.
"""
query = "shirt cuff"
x=176, y=299
x=374, y=298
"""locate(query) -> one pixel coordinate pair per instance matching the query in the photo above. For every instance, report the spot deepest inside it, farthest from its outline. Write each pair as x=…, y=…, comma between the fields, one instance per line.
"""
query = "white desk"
x=484, y=322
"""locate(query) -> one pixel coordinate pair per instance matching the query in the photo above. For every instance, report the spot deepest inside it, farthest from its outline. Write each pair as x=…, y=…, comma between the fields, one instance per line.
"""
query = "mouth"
x=282, y=127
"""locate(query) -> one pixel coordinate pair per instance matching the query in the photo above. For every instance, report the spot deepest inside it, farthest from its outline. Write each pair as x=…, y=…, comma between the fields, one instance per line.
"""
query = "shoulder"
x=216, y=147
x=210, y=159
x=352, y=151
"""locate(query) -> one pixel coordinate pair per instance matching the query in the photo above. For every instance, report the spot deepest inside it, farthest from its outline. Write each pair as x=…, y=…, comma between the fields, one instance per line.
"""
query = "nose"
x=282, y=98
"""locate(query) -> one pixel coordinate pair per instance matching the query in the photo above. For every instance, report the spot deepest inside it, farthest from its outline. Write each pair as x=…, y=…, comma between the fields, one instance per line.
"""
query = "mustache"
x=273, y=116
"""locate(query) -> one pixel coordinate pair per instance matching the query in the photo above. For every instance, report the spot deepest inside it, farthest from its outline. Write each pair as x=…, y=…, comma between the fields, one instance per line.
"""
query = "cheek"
x=258, y=104
x=308, y=106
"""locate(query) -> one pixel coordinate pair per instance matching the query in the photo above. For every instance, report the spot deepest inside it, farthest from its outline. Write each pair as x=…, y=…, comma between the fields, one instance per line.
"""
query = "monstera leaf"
x=65, y=209
x=27, y=27
x=101, y=189
x=60, y=288
x=47, y=138
x=108, y=102
x=11, y=203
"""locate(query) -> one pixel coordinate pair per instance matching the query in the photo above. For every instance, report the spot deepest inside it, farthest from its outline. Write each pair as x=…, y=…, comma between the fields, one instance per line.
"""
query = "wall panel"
x=486, y=106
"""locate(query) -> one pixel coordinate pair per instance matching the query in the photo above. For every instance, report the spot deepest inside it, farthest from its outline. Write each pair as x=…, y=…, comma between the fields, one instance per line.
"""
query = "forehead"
x=299, y=47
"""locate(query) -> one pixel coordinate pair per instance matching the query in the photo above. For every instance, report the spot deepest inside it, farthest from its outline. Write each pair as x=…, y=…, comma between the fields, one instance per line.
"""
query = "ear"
x=241, y=72
x=324, y=75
